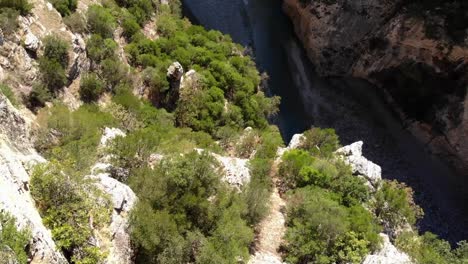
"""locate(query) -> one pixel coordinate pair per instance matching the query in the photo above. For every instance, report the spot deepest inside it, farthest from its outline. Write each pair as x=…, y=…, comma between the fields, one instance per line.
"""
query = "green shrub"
x=130, y=26
x=291, y=165
x=13, y=242
x=65, y=7
x=67, y=201
x=8, y=20
x=101, y=21
x=23, y=6
x=394, y=205
x=75, y=22
x=77, y=134
x=6, y=91
x=320, y=230
x=114, y=73
x=184, y=196
x=98, y=48
x=321, y=142
x=39, y=95
x=56, y=49
x=52, y=74
x=91, y=87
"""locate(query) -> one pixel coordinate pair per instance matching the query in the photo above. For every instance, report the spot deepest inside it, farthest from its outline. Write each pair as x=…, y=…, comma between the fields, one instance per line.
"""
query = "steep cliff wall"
x=417, y=54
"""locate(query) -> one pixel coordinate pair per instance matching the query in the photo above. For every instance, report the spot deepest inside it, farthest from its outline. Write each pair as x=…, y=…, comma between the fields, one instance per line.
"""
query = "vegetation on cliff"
x=13, y=242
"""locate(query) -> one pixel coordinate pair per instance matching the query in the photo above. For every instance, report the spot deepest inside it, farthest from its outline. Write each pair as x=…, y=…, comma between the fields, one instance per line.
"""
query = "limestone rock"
x=388, y=254
x=175, y=71
x=295, y=143
x=236, y=170
x=110, y=134
x=31, y=42
x=16, y=158
x=352, y=155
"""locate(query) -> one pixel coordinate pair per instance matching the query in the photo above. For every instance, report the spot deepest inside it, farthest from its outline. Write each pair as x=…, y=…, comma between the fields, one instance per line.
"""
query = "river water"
x=352, y=107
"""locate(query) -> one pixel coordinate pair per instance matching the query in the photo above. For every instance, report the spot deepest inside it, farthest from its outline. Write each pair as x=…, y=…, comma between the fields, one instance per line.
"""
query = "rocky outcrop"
x=388, y=254
x=18, y=54
x=421, y=69
x=352, y=155
x=16, y=158
x=236, y=170
x=123, y=199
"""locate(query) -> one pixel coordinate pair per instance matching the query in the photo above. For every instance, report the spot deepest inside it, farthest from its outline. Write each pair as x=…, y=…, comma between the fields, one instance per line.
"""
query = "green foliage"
x=320, y=230
x=91, y=88
x=52, y=68
x=56, y=49
x=130, y=26
x=320, y=142
x=23, y=6
x=99, y=48
x=8, y=20
x=13, y=242
x=185, y=213
x=6, y=91
x=67, y=201
x=101, y=21
x=394, y=205
x=65, y=7
x=52, y=74
x=224, y=92
x=292, y=163
x=39, y=95
x=76, y=134
x=76, y=22
x=429, y=249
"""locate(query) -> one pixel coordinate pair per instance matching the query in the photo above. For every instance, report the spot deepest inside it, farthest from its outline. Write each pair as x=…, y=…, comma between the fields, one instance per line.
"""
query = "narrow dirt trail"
x=272, y=229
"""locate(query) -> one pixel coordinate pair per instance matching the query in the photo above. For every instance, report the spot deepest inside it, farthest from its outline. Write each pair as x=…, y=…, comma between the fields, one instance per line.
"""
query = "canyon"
x=356, y=107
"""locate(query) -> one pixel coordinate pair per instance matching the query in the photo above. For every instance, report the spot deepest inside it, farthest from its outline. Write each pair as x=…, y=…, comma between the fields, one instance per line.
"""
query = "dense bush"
x=322, y=142
x=8, y=20
x=101, y=21
x=67, y=201
x=56, y=49
x=75, y=136
x=13, y=242
x=23, y=6
x=185, y=214
x=76, y=22
x=394, y=205
x=91, y=88
x=98, y=48
x=52, y=69
x=326, y=220
x=320, y=230
x=65, y=7
x=52, y=74
x=226, y=92
x=428, y=248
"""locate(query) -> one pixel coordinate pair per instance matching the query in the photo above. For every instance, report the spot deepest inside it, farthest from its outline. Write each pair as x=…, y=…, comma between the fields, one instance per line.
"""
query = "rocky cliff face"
x=16, y=158
x=407, y=51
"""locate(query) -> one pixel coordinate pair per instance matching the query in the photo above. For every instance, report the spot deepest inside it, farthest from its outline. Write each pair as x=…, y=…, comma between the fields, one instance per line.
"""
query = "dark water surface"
x=352, y=107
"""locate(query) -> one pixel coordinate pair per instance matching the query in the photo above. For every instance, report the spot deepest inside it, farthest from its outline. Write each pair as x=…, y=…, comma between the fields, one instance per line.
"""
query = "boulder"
x=388, y=254
x=31, y=42
x=236, y=170
x=111, y=133
x=352, y=155
x=175, y=71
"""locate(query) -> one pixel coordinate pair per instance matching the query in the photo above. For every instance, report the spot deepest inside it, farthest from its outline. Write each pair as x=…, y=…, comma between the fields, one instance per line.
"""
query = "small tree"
x=56, y=49
x=101, y=21
x=91, y=87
